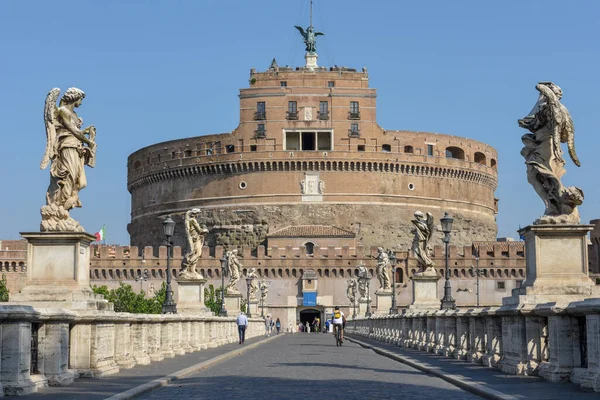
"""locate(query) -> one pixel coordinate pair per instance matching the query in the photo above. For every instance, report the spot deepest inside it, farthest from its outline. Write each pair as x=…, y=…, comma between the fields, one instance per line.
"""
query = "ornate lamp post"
x=142, y=278
x=368, y=312
x=169, y=306
x=354, y=307
x=224, y=269
x=248, y=283
x=263, y=294
x=448, y=303
x=478, y=273
x=392, y=258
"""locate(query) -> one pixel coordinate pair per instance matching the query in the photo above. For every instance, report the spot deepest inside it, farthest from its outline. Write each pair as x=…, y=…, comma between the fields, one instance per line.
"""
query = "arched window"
x=455, y=152
x=493, y=163
x=310, y=247
x=479, y=158
x=386, y=148
x=409, y=149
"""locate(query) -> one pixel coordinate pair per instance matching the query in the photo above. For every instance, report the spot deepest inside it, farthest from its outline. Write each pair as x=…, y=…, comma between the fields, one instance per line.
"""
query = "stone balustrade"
x=556, y=343
x=42, y=347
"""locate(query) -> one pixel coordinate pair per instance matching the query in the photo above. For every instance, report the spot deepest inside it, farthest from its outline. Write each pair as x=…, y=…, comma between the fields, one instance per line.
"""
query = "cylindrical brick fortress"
x=308, y=151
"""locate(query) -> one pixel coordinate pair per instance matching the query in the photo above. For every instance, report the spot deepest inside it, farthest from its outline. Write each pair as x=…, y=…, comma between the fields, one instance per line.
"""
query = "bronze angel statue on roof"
x=310, y=38
x=550, y=125
x=68, y=149
x=423, y=230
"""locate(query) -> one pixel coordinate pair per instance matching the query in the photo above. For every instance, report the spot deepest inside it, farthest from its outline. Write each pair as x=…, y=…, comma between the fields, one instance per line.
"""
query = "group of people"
x=338, y=320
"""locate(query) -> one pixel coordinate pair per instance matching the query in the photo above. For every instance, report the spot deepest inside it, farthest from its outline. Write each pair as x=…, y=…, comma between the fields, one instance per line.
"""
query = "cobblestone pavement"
x=310, y=366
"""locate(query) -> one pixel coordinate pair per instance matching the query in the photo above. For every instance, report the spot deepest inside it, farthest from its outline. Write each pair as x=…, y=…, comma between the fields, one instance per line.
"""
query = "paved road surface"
x=310, y=367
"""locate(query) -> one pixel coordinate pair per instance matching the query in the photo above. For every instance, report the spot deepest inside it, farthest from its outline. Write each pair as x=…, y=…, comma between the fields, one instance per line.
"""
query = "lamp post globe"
x=448, y=302
x=169, y=306
x=248, y=283
x=222, y=310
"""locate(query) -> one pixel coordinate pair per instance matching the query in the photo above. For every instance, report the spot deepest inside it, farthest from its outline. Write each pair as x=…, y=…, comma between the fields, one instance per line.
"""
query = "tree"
x=212, y=299
x=4, y=293
x=126, y=300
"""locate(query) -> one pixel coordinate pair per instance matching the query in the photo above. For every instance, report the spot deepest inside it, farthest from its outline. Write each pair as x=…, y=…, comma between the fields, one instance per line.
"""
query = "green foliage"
x=212, y=299
x=243, y=306
x=126, y=300
x=3, y=289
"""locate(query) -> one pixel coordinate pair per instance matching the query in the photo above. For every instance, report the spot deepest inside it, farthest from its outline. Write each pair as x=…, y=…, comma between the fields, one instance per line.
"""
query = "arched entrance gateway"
x=309, y=315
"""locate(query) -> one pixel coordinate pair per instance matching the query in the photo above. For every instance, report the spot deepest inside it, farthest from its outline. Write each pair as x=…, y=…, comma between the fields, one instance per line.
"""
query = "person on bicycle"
x=338, y=320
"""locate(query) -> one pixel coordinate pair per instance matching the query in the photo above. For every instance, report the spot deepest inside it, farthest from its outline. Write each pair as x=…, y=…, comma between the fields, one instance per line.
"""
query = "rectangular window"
x=260, y=111
x=283, y=83
x=354, y=128
x=260, y=131
x=500, y=285
x=230, y=148
x=292, y=140
x=331, y=84
x=324, y=141
x=292, y=106
x=308, y=141
x=430, y=150
x=354, y=110
x=252, y=147
x=323, y=110
x=361, y=147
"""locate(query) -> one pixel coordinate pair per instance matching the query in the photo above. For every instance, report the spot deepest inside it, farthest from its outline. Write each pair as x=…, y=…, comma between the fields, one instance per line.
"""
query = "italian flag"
x=101, y=234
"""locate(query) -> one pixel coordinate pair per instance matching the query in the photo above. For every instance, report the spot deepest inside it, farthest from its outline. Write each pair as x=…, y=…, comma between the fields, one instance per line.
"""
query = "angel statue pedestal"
x=233, y=303
x=58, y=272
x=384, y=302
x=253, y=307
x=556, y=265
x=363, y=307
x=425, y=291
x=190, y=297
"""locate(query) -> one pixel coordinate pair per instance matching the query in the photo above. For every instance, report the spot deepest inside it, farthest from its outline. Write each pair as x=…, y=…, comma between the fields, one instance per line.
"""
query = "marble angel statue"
x=195, y=234
x=235, y=268
x=363, y=277
x=253, y=283
x=68, y=150
x=423, y=230
x=351, y=290
x=383, y=270
x=550, y=125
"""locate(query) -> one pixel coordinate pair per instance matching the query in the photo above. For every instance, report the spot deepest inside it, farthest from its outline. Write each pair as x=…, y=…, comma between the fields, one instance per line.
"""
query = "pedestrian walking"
x=278, y=325
x=268, y=324
x=242, y=323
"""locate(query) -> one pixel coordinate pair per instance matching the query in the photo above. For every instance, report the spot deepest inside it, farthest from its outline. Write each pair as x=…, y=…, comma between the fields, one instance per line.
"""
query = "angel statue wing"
x=301, y=30
x=319, y=34
x=429, y=221
x=567, y=135
x=50, y=111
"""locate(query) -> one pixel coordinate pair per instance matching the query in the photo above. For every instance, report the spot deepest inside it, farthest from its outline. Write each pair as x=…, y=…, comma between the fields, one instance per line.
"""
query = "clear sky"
x=161, y=70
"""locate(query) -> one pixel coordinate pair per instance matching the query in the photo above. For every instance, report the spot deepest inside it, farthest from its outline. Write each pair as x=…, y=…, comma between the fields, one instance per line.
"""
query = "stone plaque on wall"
x=311, y=187
x=308, y=114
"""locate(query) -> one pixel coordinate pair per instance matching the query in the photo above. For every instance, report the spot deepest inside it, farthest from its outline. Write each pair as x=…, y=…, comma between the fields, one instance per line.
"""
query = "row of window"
x=292, y=111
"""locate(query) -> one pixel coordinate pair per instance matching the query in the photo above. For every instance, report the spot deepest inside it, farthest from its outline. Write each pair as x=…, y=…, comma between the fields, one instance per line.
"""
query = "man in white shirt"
x=242, y=323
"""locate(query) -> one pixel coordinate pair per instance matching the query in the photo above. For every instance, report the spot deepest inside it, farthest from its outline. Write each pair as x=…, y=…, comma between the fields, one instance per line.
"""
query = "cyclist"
x=338, y=320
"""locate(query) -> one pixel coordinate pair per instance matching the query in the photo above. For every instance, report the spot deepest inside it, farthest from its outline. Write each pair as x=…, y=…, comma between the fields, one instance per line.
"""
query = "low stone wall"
x=42, y=347
x=558, y=344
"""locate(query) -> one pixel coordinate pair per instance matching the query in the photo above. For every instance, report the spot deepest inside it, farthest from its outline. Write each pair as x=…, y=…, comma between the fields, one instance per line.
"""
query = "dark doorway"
x=308, y=141
x=309, y=316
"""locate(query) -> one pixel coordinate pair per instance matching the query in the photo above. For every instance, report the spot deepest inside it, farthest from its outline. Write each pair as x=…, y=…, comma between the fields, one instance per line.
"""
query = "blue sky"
x=161, y=70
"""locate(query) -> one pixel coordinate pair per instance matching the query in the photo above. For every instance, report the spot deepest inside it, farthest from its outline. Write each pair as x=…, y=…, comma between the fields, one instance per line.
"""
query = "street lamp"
x=448, y=303
x=224, y=269
x=392, y=258
x=368, y=312
x=248, y=283
x=354, y=306
x=263, y=294
x=478, y=273
x=169, y=306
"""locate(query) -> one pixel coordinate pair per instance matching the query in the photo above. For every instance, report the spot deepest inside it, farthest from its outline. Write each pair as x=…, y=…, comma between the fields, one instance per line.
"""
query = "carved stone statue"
x=253, y=283
x=69, y=149
x=351, y=291
x=550, y=125
x=383, y=271
x=195, y=240
x=363, y=277
x=321, y=187
x=420, y=247
x=235, y=269
x=310, y=38
x=264, y=289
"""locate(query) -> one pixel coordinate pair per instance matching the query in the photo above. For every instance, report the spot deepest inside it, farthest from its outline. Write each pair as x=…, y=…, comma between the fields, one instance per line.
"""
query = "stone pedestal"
x=425, y=292
x=58, y=272
x=190, y=297
x=384, y=302
x=233, y=302
x=557, y=265
x=253, y=308
x=311, y=60
x=362, y=307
